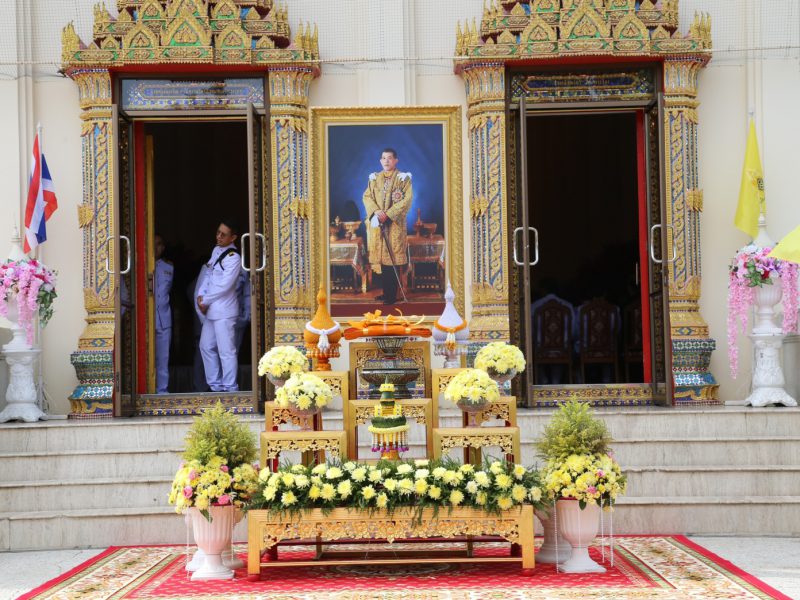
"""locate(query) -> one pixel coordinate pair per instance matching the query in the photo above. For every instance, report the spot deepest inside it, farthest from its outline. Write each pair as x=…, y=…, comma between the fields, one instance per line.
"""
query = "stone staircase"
x=714, y=470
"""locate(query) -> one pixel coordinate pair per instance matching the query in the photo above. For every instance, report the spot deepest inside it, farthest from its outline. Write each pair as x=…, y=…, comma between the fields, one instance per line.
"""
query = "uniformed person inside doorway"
x=217, y=306
x=162, y=286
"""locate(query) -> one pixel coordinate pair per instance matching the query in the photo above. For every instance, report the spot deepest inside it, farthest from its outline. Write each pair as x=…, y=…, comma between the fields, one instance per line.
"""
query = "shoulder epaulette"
x=223, y=256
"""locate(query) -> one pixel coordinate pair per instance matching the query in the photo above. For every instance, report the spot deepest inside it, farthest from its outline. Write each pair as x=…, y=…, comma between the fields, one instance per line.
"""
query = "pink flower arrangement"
x=752, y=268
x=34, y=287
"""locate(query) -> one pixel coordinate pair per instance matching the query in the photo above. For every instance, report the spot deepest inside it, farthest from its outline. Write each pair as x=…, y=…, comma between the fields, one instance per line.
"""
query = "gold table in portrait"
x=265, y=529
x=360, y=412
x=424, y=250
x=350, y=253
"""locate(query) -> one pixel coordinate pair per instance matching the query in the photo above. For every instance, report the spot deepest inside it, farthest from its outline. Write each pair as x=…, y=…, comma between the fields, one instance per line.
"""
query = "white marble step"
x=95, y=493
x=86, y=464
x=140, y=462
x=713, y=480
x=745, y=515
x=90, y=528
x=727, y=450
x=633, y=423
x=720, y=515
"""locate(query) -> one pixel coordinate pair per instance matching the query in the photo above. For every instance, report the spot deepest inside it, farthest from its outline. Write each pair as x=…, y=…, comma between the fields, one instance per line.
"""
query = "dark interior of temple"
x=199, y=177
x=583, y=199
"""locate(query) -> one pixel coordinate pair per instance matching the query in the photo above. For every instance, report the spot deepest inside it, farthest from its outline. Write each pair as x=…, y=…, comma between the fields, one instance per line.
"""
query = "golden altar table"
x=266, y=529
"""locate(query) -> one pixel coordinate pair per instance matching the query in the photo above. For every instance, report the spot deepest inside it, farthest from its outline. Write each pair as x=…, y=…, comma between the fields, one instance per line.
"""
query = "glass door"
x=255, y=245
x=525, y=251
x=661, y=253
x=119, y=255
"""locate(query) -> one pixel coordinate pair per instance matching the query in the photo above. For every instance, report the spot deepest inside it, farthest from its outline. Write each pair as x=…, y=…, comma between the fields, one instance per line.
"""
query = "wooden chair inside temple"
x=598, y=326
x=552, y=335
x=631, y=337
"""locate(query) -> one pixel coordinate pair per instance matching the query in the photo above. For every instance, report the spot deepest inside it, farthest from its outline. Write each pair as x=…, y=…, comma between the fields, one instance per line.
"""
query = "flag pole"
x=40, y=400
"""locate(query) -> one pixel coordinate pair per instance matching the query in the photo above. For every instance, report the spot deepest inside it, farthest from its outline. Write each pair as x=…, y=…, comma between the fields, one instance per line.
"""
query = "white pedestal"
x=768, y=379
x=21, y=391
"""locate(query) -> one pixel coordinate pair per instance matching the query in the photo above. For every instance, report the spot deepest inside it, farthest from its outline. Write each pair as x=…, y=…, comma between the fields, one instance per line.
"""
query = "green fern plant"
x=573, y=429
x=219, y=432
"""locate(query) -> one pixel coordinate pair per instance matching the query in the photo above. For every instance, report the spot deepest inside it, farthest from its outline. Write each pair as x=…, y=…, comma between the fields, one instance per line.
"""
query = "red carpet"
x=645, y=568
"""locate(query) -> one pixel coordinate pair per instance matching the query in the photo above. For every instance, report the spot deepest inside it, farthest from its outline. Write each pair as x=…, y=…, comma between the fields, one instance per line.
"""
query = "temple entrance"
x=591, y=307
x=191, y=193
x=184, y=180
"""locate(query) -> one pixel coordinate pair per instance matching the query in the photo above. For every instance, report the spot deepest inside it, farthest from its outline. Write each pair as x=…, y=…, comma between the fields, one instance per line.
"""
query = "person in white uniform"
x=218, y=307
x=162, y=285
x=243, y=322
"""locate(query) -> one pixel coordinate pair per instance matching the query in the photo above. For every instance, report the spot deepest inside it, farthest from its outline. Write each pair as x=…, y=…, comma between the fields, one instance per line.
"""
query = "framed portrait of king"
x=388, y=221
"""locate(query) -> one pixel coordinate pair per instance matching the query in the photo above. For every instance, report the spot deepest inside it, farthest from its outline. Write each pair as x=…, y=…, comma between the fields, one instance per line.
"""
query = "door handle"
x=517, y=261
x=244, y=266
x=128, y=261
x=535, y=245
x=127, y=269
x=652, y=249
x=263, y=252
x=650, y=243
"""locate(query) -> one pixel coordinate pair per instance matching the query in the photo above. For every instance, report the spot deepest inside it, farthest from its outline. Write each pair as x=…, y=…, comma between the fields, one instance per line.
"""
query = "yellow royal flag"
x=789, y=247
x=751, y=192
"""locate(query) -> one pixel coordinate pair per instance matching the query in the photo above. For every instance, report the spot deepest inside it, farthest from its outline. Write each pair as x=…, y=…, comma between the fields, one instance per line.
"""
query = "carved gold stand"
x=316, y=443
x=266, y=529
x=507, y=438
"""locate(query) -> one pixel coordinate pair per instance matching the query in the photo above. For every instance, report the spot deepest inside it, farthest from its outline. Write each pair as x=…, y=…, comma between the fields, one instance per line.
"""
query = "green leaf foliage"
x=573, y=429
x=219, y=432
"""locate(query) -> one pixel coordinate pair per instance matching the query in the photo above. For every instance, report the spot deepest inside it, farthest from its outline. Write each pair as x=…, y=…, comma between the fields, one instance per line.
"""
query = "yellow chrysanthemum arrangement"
x=500, y=358
x=575, y=446
x=212, y=484
x=587, y=478
x=305, y=392
x=281, y=362
x=494, y=486
x=472, y=386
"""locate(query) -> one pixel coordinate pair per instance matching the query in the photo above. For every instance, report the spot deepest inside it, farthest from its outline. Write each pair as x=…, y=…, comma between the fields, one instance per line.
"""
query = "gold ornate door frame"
x=226, y=38
x=559, y=32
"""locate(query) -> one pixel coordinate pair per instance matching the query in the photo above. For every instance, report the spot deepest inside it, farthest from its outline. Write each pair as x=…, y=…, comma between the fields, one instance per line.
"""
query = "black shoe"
x=379, y=297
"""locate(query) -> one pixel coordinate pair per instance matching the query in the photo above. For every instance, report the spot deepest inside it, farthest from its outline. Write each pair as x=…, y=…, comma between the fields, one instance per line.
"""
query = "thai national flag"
x=41, y=200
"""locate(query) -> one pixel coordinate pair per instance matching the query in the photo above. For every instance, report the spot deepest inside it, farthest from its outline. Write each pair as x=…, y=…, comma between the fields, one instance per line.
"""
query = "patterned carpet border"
x=645, y=567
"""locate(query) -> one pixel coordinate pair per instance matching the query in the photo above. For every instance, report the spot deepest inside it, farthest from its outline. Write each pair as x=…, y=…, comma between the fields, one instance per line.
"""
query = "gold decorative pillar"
x=691, y=344
x=488, y=204
x=290, y=225
x=94, y=358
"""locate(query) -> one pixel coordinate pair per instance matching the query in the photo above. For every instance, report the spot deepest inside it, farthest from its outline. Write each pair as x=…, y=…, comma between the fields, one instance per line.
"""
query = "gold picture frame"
x=396, y=119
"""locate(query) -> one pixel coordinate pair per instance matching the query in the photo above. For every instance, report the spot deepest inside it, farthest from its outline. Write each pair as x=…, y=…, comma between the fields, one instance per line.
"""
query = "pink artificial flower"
x=224, y=468
x=601, y=473
x=192, y=474
x=591, y=489
x=188, y=491
x=224, y=499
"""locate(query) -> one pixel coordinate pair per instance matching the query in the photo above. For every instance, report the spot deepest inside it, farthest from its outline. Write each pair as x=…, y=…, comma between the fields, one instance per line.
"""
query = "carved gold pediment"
x=186, y=30
x=198, y=8
x=233, y=36
x=139, y=37
x=152, y=10
x=200, y=31
x=550, y=28
x=538, y=30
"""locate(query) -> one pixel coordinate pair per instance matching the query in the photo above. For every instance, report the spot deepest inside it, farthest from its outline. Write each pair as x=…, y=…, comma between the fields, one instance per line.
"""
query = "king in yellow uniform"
x=387, y=200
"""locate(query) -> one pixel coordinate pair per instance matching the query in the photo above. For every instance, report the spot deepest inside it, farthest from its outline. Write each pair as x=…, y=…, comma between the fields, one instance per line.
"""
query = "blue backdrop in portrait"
x=354, y=152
